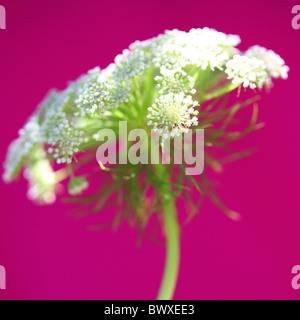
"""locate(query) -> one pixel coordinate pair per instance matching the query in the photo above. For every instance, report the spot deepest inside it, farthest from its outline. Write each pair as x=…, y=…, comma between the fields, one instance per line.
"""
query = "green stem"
x=221, y=91
x=173, y=250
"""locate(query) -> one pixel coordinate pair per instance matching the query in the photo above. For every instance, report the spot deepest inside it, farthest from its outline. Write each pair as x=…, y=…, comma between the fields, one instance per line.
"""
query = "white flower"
x=63, y=136
x=109, y=88
x=91, y=94
x=29, y=137
x=54, y=101
x=174, y=80
x=127, y=65
x=251, y=72
x=59, y=130
x=209, y=48
x=92, y=98
x=119, y=94
x=200, y=47
x=173, y=114
x=275, y=64
x=169, y=67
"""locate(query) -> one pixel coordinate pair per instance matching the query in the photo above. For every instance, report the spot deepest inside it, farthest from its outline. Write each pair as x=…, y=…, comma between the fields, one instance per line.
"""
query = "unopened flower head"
x=77, y=185
x=173, y=114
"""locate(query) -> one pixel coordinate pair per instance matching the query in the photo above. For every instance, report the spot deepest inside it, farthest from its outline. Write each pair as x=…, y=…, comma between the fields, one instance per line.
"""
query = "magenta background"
x=50, y=255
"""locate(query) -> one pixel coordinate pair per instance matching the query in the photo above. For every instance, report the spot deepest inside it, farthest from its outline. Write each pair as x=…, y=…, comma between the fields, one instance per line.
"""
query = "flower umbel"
x=174, y=83
x=275, y=65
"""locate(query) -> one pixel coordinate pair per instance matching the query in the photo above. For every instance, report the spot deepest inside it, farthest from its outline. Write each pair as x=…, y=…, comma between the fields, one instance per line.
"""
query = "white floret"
x=251, y=72
x=173, y=114
x=275, y=64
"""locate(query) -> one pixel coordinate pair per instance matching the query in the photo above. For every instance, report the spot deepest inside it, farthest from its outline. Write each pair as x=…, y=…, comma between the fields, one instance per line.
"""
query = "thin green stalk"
x=221, y=91
x=172, y=231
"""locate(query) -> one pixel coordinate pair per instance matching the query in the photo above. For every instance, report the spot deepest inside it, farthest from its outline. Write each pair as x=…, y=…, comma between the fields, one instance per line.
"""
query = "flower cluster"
x=200, y=47
x=59, y=130
x=98, y=91
x=91, y=95
x=173, y=114
x=175, y=80
x=160, y=82
x=128, y=65
x=275, y=65
x=164, y=79
x=111, y=87
x=251, y=72
x=21, y=148
x=63, y=137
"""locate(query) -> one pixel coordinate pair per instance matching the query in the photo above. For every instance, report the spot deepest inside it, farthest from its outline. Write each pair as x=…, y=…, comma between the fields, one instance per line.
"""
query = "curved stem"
x=173, y=250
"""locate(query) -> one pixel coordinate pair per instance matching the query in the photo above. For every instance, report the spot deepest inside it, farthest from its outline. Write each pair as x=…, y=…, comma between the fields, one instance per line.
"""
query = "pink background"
x=50, y=255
